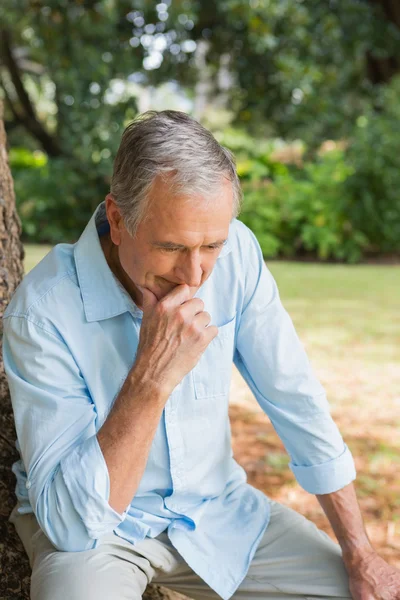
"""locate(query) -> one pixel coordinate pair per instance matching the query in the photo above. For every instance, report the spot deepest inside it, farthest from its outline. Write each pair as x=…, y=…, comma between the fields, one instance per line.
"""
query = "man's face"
x=178, y=242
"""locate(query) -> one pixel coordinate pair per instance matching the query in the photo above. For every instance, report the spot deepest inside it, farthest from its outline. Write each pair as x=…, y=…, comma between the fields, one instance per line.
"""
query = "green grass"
x=339, y=306
x=34, y=254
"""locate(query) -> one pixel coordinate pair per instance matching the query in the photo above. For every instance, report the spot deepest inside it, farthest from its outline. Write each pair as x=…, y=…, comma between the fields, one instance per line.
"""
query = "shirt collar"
x=102, y=293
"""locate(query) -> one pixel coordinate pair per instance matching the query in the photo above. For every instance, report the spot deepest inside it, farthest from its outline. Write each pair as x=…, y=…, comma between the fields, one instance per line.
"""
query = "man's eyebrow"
x=182, y=246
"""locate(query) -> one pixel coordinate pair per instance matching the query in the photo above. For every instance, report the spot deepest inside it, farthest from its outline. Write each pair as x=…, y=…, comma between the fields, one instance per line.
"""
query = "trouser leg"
x=294, y=559
x=115, y=570
x=109, y=571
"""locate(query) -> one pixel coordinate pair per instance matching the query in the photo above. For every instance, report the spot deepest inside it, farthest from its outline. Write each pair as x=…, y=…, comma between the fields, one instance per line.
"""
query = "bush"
x=373, y=189
x=55, y=198
x=304, y=211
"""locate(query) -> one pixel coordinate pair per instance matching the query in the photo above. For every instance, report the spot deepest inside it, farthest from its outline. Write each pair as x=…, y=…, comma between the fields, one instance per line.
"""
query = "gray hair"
x=171, y=144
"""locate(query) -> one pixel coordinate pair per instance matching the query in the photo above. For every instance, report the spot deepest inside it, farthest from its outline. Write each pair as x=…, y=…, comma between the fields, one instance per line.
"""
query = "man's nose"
x=190, y=271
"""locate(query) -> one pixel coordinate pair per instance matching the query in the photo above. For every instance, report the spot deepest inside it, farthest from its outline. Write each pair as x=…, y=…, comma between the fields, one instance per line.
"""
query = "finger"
x=202, y=319
x=192, y=307
x=177, y=296
x=212, y=332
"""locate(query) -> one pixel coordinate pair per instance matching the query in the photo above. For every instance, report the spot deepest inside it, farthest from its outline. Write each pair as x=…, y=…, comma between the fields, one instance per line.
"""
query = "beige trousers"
x=294, y=559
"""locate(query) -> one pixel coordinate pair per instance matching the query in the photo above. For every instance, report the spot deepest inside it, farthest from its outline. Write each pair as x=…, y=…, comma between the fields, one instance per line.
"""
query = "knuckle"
x=180, y=317
x=195, y=333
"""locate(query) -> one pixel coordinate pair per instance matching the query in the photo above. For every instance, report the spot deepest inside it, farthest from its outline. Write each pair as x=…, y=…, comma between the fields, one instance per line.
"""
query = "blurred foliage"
x=22, y=158
x=286, y=68
x=53, y=201
x=374, y=158
x=297, y=69
x=307, y=71
x=58, y=64
x=304, y=211
x=343, y=205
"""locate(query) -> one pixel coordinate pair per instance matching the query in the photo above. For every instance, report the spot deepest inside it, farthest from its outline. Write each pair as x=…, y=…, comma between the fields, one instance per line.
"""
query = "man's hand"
x=173, y=336
x=370, y=577
x=373, y=579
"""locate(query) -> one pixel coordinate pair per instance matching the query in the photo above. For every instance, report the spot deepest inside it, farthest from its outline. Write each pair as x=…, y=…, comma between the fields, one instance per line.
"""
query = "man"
x=118, y=351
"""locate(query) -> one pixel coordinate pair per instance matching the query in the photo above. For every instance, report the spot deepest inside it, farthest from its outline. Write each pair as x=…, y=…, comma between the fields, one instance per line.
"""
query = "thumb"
x=149, y=299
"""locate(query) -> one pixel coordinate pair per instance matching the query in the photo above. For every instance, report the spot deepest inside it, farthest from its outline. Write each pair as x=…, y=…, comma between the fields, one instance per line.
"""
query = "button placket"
x=175, y=446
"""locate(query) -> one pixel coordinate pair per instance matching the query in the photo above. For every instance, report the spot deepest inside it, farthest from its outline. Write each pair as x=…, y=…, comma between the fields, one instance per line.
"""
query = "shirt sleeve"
x=55, y=419
x=273, y=362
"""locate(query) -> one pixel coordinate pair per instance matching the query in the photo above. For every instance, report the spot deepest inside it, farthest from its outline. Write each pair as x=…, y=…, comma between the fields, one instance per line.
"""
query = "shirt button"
x=28, y=484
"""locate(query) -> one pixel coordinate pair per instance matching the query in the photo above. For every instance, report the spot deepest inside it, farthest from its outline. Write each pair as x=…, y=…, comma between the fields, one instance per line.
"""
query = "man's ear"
x=115, y=219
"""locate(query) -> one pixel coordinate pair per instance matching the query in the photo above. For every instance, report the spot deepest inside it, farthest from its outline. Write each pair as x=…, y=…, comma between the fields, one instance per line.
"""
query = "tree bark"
x=14, y=565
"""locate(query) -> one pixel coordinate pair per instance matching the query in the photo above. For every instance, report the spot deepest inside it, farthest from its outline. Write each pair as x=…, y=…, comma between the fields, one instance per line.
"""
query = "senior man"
x=118, y=351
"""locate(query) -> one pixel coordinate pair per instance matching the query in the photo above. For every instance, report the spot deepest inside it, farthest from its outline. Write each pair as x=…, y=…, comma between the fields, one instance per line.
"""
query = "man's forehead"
x=166, y=204
x=187, y=227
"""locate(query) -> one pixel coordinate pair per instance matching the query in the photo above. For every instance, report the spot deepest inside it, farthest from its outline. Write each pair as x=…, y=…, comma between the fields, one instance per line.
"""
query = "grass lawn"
x=348, y=318
x=34, y=254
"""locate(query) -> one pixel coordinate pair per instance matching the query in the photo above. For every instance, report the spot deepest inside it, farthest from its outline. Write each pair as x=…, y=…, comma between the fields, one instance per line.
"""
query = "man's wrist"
x=355, y=554
x=140, y=378
x=343, y=512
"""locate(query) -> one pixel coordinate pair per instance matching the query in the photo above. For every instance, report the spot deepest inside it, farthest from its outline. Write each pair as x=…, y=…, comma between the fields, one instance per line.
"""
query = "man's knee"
x=86, y=575
x=298, y=558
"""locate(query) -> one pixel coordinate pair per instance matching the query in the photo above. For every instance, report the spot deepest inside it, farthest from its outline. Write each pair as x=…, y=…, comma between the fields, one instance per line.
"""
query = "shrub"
x=373, y=188
x=305, y=212
x=55, y=198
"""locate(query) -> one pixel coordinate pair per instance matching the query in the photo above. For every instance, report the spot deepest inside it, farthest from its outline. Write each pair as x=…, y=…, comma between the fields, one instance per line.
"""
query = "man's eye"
x=176, y=249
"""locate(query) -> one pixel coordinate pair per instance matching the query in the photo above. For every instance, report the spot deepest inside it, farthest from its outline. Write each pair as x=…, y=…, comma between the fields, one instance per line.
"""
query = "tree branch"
x=28, y=118
x=12, y=67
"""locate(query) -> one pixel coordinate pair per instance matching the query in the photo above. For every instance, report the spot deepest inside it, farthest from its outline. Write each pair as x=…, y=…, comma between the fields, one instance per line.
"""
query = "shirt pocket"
x=212, y=374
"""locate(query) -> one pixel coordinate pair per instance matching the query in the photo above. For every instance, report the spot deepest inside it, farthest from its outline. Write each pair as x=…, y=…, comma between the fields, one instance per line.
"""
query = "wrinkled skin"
x=374, y=579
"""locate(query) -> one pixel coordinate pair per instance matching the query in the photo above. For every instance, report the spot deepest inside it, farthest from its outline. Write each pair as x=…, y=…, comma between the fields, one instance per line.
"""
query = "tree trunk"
x=14, y=565
x=381, y=70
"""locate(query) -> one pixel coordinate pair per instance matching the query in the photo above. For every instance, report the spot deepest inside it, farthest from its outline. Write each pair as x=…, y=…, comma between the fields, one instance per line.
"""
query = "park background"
x=306, y=94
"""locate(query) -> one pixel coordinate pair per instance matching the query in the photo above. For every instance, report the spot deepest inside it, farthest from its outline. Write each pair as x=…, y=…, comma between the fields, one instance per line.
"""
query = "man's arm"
x=55, y=420
x=344, y=514
x=370, y=577
x=273, y=362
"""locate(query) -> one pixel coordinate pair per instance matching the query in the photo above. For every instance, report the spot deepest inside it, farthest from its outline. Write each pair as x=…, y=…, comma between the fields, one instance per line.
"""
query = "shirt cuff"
x=326, y=477
x=87, y=479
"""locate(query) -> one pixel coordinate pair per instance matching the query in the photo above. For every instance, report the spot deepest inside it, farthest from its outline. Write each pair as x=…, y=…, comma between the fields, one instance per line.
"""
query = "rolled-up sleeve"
x=55, y=419
x=273, y=362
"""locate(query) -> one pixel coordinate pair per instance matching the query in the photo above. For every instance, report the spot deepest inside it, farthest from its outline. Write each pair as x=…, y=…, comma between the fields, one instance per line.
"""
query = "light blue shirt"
x=71, y=333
